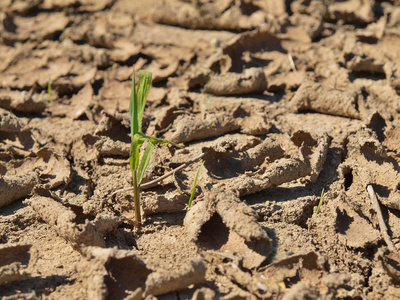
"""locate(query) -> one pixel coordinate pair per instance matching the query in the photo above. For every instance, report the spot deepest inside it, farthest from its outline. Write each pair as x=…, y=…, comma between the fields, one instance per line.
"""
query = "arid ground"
x=286, y=104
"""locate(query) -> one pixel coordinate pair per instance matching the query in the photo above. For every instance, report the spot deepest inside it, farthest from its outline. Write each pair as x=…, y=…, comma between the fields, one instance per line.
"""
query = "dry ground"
x=285, y=98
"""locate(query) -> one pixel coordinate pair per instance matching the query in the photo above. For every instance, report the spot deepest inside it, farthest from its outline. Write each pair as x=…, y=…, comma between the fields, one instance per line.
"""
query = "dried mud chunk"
x=123, y=50
x=203, y=294
x=15, y=187
x=77, y=106
x=107, y=147
x=161, y=71
x=231, y=162
x=280, y=171
x=71, y=84
x=192, y=78
x=301, y=291
x=21, y=101
x=354, y=231
x=110, y=125
x=115, y=274
x=16, y=262
x=165, y=281
x=313, y=7
x=312, y=25
x=52, y=168
x=111, y=273
x=57, y=171
x=22, y=7
x=69, y=226
x=362, y=64
x=305, y=268
x=167, y=202
x=259, y=40
x=268, y=149
x=391, y=263
x=221, y=15
x=94, y=5
x=28, y=72
x=190, y=128
x=383, y=98
x=43, y=26
x=19, y=143
x=244, y=280
x=283, y=81
x=353, y=11
x=318, y=157
x=368, y=163
x=250, y=81
x=313, y=96
x=392, y=140
x=9, y=122
x=255, y=124
x=263, y=166
x=223, y=222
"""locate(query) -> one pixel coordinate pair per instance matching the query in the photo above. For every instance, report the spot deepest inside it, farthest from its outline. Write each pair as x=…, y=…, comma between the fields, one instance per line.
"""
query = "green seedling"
x=321, y=199
x=194, y=186
x=138, y=138
x=49, y=90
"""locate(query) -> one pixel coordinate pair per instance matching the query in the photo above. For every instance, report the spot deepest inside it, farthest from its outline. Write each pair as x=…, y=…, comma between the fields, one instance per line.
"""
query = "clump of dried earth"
x=284, y=98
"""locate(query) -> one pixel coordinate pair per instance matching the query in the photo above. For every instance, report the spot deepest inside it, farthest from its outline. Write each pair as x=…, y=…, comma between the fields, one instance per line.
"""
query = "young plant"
x=49, y=90
x=138, y=138
x=321, y=199
x=194, y=186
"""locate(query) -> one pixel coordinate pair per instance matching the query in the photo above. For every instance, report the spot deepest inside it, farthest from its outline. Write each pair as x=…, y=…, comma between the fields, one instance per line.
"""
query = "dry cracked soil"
x=286, y=104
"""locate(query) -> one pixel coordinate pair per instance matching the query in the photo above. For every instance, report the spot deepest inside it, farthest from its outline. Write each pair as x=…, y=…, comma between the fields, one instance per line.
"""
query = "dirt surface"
x=284, y=98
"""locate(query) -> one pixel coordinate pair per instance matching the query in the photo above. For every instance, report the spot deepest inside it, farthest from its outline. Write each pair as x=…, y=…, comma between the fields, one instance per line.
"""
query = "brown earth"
x=285, y=98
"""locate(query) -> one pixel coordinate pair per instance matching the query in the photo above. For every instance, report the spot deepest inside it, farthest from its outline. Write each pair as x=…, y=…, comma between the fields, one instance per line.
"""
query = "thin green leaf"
x=321, y=199
x=49, y=90
x=194, y=186
x=137, y=142
x=138, y=100
x=145, y=161
x=133, y=109
x=142, y=93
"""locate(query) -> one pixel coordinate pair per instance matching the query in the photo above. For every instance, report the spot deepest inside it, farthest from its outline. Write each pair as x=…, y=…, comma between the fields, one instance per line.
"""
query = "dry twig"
x=381, y=222
x=157, y=180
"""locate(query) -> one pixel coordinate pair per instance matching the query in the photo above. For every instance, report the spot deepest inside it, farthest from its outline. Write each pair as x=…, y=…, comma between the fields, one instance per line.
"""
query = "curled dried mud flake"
x=107, y=147
x=196, y=217
x=285, y=170
x=166, y=202
x=110, y=273
x=313, y=96
x=63, y=220
x=222, y=222
x=268, y=149
x=190, y=128
x=318, y=157
x=252, y=80
x=226, y=15
x=238, y=216
x=14, y=187
x=165, y=281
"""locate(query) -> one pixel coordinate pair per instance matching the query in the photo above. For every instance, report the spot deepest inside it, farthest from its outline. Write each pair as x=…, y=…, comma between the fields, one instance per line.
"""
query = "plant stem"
x=136, y=195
